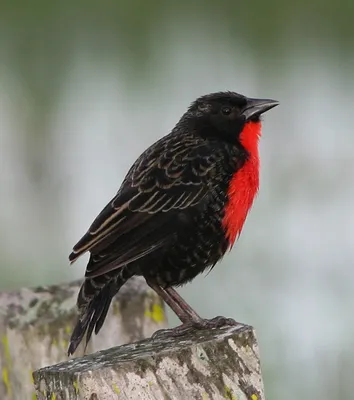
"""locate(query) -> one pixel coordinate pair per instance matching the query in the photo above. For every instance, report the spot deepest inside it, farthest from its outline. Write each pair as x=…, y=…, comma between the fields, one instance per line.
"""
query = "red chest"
x=243, y=186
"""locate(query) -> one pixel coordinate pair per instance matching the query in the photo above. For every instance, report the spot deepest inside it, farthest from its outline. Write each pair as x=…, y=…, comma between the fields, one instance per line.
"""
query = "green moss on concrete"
x=222, y=361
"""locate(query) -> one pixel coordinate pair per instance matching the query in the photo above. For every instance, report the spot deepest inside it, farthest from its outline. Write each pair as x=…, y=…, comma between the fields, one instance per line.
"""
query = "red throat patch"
x=244, y=184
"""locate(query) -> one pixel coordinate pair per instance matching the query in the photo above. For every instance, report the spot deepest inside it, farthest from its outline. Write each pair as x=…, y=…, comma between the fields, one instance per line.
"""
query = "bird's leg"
x=186, y=314
x=183, y=305
x=168, y=299
x=196, y=320
x=184, y=317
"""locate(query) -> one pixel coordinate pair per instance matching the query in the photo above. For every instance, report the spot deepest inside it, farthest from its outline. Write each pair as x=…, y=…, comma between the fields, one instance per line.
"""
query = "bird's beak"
x=256, y=107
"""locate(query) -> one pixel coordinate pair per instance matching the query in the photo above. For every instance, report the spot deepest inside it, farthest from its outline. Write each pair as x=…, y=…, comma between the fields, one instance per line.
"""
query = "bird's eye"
x=226, y=110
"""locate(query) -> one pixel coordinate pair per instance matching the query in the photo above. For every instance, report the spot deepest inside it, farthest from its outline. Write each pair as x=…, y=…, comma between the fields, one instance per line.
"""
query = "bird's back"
x=181, y=205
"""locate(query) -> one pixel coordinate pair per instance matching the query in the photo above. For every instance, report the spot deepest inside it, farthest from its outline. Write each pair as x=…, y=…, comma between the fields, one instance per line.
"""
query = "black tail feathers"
x=95, y=312
x=93, y=303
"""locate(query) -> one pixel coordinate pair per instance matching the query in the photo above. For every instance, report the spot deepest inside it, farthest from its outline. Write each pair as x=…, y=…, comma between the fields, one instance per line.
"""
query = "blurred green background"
x=85, y=86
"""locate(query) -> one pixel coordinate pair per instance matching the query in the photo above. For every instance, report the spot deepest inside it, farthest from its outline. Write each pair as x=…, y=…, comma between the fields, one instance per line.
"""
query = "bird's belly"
x=195, y=249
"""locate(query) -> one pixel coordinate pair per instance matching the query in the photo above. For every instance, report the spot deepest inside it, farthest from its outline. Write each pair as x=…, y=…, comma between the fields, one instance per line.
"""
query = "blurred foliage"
x=37, y=38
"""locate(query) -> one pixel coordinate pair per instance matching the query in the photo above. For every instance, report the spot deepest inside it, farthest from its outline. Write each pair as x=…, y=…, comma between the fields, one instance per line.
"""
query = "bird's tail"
x=94, y=299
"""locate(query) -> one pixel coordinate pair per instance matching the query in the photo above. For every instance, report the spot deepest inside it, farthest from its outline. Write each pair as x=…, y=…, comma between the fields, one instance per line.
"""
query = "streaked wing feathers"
x=139, y=219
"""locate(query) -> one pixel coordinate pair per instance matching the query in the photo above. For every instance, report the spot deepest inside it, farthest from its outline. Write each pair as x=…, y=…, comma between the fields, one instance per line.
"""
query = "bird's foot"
x=173, y=332
x=216, y=322
x=180, y=330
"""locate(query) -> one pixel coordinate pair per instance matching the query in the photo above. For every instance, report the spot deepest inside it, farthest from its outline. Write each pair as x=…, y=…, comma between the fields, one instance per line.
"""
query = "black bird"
x=181, y=206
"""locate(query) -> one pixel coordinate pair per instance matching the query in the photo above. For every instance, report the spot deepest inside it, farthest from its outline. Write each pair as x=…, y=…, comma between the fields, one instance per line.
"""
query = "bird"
x=180, y=208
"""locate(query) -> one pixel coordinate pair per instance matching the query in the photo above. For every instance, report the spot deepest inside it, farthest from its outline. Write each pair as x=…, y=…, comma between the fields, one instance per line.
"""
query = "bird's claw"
x=173, y=332
x=180, y=330
x=216, y=322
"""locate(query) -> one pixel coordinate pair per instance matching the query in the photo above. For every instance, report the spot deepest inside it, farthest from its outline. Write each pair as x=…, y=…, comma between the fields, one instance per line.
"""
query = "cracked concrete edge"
x=211, y=364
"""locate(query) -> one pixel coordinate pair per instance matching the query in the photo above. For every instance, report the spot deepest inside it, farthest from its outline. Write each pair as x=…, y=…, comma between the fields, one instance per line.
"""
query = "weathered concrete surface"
x=210, y=364
x=35, y=327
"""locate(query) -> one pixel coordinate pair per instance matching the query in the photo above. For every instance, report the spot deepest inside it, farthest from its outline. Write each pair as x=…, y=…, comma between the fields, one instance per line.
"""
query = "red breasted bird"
x=181, y=206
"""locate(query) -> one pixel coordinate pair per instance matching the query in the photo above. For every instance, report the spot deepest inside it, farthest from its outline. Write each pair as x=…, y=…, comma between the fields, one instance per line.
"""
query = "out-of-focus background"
x=85, y=86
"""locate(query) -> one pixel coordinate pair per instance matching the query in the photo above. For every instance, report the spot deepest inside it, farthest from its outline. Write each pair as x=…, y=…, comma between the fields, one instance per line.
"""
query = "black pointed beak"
x=256, y=107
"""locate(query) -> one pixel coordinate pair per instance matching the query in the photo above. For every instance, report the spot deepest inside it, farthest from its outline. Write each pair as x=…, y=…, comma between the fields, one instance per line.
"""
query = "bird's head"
x=224, y=115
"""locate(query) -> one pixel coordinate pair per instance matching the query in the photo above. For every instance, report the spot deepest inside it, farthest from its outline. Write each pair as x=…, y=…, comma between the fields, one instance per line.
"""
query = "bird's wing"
x=147, y=211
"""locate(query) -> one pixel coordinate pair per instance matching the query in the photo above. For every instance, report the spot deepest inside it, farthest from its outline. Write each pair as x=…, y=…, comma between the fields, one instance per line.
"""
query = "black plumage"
x=165, y=222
